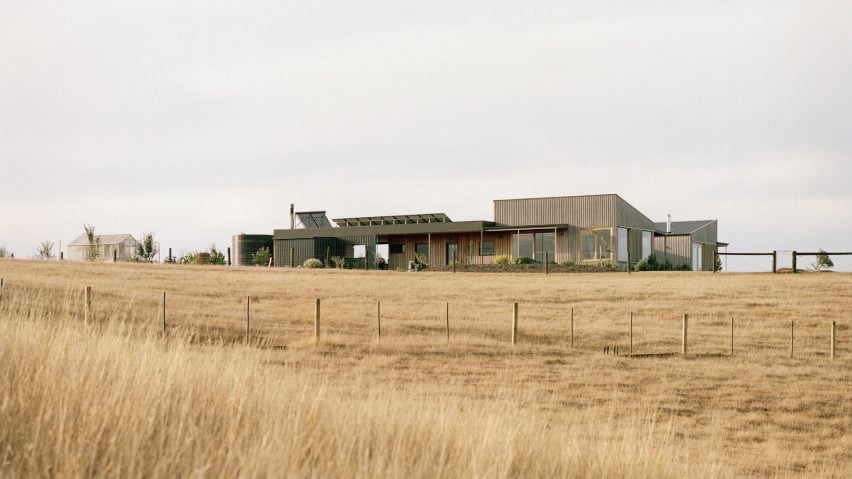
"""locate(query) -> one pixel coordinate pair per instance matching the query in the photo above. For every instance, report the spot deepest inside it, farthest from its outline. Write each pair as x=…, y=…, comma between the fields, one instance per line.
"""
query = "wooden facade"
x=576, y=225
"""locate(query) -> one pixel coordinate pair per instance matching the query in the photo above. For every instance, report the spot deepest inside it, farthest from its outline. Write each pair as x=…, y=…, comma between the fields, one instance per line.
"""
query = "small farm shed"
x=121, y=247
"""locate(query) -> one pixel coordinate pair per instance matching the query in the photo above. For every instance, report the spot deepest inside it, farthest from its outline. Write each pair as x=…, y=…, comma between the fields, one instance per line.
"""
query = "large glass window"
x=595, y=244
x=522, y=245
x=359, y=251
x=647, y=238
x=622, y=245
x=452, y=252
x=486, y=248
x=545, y=244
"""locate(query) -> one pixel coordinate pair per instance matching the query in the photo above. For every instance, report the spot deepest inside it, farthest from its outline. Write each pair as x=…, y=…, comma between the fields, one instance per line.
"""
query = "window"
x=452, y=252
x=359, y=251
x=486, y=248
x=422, y=249
x=646, y=244
x=545, y=245
x=595, y=244
x=622, y=244
x=522, y=245
x=397, y=248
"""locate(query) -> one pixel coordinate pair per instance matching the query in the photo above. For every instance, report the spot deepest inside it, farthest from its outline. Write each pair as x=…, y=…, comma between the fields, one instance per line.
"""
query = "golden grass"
x=113, y=398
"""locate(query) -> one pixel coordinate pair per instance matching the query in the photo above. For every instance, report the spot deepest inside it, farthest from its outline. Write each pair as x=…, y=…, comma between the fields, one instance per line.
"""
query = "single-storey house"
x=120, y=247
x=582, y=229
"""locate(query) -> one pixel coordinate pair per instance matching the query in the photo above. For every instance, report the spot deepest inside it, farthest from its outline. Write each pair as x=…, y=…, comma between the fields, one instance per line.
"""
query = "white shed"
x=121, y=247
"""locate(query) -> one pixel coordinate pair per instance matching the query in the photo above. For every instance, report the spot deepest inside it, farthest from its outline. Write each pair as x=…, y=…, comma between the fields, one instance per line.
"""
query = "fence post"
x=164, y=314
x=88, y=306
x=794, y=262
x=454, y=262
x=379, y=319
x=572, y=328
x=774, y=261
x=683, y=340
x=631, y=332
x=791, y=338
x=317, y=320
x=546, y=267
x=292, y=259
x=448, y=322
x=248, y=317
x=229, y=256
x=514, y=323
x=833, y=338
x=1, y=290
x=732, y=335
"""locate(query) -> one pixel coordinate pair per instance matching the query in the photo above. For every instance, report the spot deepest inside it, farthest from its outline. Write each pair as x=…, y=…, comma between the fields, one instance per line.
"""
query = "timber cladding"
x=596, y=211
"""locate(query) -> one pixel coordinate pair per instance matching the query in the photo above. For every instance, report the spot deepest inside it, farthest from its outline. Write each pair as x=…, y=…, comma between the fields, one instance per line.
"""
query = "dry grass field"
x=112, y=397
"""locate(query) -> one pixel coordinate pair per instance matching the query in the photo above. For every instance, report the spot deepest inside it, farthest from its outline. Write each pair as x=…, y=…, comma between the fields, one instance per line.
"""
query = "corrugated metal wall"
x=243, y=246
x=629, y=217
x=708, y=256
x=596, y=211
x=707, y=234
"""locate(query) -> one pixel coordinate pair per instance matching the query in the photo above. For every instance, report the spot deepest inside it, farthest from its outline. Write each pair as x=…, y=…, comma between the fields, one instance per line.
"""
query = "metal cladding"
x=244, y=246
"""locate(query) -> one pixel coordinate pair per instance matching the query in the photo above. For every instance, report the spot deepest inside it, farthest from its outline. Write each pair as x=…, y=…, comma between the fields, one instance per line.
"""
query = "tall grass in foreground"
x=110, y=401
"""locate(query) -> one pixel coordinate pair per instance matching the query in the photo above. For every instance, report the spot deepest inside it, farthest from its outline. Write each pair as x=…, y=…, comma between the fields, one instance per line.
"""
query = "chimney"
x=669, y=224
x=292, y=217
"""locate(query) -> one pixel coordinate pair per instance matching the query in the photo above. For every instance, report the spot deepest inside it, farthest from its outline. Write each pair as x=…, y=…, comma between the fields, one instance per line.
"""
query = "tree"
x=45, y=251
x=146, y=248
x=261, y=257
x=94, y=243
x=823, y=261
x=216, y=256
x=3, y=251
x=717, y=263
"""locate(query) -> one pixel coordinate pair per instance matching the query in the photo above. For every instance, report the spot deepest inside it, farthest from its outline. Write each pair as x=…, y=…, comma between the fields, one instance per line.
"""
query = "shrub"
x=567, y=262
x=500, y=260
x=312, y=263
x=339, y=262
x=524, y=260
x=261, y=257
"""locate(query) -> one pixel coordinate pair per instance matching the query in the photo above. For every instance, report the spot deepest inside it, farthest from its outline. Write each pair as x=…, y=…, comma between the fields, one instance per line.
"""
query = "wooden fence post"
x=88, y=305
x=833, y=338
x=1, y=290
x=448, y=322
x=229, y=256
x=794, y=262
x=248, y=317
x=572, y=328
x=164, y=314
x=317, y=320
x=514, y=323
x=631, y=332
x=292, y=259
x=774, y=261
x=683, y=340
x=379, y=319
x=545, y=263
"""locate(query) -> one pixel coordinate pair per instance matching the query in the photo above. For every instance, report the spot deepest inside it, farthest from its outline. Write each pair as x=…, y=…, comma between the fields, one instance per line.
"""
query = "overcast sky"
x=197, y=120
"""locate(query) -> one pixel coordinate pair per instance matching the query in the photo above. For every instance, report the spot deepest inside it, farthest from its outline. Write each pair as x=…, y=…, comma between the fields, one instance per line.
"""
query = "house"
x=120, y=247
x=582, y=229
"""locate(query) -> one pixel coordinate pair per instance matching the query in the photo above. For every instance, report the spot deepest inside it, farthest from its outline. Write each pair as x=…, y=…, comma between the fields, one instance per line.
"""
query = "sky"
x=198, y=120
